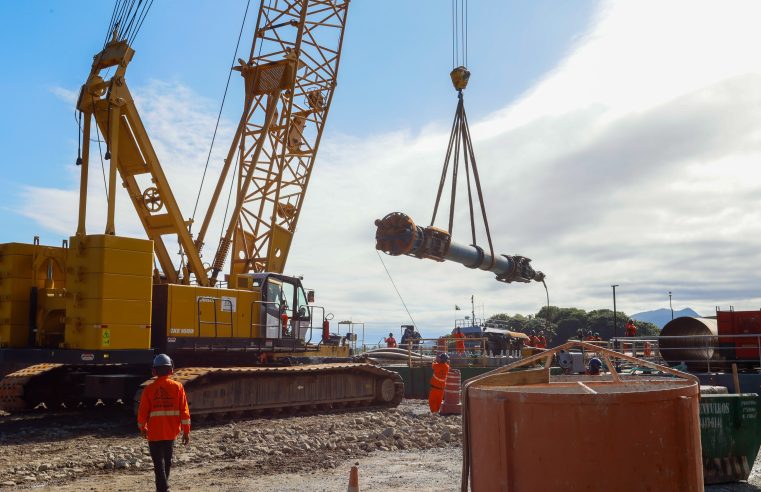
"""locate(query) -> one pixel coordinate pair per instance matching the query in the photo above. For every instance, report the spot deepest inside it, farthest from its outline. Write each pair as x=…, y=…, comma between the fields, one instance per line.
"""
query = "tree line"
x=561, y=324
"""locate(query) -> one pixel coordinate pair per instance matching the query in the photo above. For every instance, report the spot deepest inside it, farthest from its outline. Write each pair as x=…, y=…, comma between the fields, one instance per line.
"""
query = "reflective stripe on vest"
x=185, y=422
x=165, y=413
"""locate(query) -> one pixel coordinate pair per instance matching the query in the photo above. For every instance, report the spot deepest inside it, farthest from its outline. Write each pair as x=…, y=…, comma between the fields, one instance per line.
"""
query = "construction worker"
x=594, y=367
x=163, y=412
x=459, y=341
x=596, y=338
x=541, y=341
x=588, y=337
x=390, y=341
x=631, y=329
x=438, y=382
x=532, y=339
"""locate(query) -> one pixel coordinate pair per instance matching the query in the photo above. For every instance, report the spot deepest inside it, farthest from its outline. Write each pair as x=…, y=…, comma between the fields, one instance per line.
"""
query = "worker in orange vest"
x=162, y=413
x=390, y=341
x=438, y=382
x=541, y=341
x=459, y=342
x=631, y=329
x=532, y=339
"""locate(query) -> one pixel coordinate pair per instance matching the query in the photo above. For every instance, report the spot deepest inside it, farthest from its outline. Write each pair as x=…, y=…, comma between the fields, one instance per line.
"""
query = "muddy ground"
x=401, y=449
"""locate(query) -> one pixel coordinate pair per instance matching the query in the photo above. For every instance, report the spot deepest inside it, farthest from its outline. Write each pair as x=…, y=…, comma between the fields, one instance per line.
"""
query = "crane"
x=101, y=309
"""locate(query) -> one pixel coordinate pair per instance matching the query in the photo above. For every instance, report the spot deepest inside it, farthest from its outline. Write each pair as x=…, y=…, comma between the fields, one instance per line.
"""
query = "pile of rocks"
x=269, y=445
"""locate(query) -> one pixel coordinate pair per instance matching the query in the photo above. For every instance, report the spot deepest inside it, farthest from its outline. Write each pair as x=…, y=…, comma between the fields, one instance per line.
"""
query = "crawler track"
x=220, y=393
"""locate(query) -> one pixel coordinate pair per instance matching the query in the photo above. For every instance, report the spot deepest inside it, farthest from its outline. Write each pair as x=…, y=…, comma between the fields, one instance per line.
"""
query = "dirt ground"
x=397, y=450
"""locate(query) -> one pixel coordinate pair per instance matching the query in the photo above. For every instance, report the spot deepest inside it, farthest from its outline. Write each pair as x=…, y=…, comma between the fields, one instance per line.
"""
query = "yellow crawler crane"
x=92, y=313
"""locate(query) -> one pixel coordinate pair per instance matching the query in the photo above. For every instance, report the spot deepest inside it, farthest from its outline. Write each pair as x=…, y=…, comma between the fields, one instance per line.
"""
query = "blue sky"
x=617, y=140
x=394, y=72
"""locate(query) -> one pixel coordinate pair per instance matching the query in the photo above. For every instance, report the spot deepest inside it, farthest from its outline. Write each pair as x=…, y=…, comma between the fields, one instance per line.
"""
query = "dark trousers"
x=161, y=454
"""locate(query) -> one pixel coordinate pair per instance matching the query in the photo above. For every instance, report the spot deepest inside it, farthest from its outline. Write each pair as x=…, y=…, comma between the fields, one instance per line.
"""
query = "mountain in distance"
x=660, y=317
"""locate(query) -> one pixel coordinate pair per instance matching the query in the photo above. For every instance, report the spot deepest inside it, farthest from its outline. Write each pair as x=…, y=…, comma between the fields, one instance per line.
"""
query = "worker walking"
x=390, y=341
x=163, y=412
x=438, y=382
x=459, y=341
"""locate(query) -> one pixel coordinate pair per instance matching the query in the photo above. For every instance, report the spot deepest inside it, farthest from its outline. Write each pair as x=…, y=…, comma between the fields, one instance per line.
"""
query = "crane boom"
x=290, y=77
x=132, y=155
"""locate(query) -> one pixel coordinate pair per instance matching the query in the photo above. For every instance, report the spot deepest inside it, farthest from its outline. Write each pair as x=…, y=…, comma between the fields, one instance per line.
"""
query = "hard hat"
x=442, y=357
x=595, y=363
x=597, y=334
x=162, y=360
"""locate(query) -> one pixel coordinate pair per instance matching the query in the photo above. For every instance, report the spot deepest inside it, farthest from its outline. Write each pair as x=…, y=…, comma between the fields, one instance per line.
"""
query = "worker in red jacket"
x=541, y=341
x=459, y=341
x=438, y=382
x=631, y=329
x=532, y=339
x=390, y=341
x=163, y=412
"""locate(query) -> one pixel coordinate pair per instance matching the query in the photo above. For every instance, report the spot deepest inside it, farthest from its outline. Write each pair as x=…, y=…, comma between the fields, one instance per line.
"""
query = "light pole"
x=615, y=323
x=670, y=306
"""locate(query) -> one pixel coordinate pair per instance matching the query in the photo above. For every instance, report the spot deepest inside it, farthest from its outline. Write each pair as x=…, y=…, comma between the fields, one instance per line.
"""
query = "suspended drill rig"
x=81, y=322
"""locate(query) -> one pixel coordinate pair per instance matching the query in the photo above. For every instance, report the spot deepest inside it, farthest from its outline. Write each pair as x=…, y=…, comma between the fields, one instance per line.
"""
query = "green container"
x=730, y=434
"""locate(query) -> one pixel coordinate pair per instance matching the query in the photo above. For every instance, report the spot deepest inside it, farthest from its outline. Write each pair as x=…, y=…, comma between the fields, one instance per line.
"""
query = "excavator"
x=81, y=322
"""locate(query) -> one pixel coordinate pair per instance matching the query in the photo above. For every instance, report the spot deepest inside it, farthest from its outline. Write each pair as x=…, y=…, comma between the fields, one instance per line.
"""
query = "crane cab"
x=267, y=313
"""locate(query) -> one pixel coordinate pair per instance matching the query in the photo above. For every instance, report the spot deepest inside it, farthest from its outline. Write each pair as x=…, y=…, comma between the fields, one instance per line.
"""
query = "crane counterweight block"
x=397, y=234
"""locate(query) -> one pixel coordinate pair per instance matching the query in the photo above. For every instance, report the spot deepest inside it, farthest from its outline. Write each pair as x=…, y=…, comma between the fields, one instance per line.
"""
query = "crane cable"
x=219, y=114
x=397, y=290
x=127, y=18
x=460, y=139
x=459, y=33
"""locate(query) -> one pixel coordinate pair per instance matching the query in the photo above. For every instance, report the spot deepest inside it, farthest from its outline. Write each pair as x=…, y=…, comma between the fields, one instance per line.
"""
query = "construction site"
x=113, y=345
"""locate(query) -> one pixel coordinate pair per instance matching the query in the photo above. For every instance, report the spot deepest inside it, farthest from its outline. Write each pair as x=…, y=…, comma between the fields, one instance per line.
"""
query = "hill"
x=660, y=317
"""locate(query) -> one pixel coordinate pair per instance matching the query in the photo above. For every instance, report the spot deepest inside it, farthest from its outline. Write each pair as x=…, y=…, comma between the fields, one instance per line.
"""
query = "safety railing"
x=214, y=300
x=467, y=352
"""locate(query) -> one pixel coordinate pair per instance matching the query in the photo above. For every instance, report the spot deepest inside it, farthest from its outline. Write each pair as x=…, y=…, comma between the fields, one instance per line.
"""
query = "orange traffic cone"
x=452, y=405
x=354, y=479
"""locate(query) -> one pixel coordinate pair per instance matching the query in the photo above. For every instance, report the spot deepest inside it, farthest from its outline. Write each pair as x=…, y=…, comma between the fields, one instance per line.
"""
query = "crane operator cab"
x=265, y=313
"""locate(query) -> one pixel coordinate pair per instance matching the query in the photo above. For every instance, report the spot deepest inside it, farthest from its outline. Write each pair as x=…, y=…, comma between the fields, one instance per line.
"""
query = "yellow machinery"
x=93, y=312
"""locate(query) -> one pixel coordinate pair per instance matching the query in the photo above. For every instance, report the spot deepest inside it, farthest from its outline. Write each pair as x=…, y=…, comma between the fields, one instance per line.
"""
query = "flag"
x=456, y=307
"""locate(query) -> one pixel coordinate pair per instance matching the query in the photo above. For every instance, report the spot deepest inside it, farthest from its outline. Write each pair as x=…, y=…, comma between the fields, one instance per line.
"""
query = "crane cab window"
x=302, y=307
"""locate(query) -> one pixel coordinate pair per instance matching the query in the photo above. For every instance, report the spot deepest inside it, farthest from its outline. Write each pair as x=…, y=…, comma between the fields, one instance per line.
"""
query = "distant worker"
x=459, y=342
x=438, y=382
x=162, y=413
x=541, y=341
x=390, y=341
x=588, y=336
x=595, y=365
x=407, y=336
x=532, y=339
x=631, y=329
x=596, y=338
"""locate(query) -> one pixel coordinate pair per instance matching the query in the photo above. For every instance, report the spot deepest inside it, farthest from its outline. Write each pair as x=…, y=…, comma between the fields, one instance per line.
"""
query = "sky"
x=617, y=141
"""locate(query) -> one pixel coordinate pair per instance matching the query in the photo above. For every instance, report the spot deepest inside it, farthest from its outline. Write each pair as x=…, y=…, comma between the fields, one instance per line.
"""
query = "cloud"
x=634, y=161
x=66, y=95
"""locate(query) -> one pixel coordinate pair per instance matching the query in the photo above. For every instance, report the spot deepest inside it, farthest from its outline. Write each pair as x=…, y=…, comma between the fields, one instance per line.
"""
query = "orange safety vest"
x=460, y=342
x=438, y=383
x=390, y=342
x=163, y=410
x=532, y=341
x=541, y=342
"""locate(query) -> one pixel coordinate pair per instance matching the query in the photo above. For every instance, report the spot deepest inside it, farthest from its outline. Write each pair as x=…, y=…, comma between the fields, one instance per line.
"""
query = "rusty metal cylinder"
x=689, y=340
x=585, y=434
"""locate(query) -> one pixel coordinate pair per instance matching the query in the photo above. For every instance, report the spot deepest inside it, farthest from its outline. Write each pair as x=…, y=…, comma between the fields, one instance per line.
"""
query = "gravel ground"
x=400, y=449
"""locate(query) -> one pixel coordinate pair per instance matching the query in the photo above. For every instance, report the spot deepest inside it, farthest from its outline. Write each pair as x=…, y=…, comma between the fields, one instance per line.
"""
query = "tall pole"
x=473, y=310
x=615, y=323
x=670, y=306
